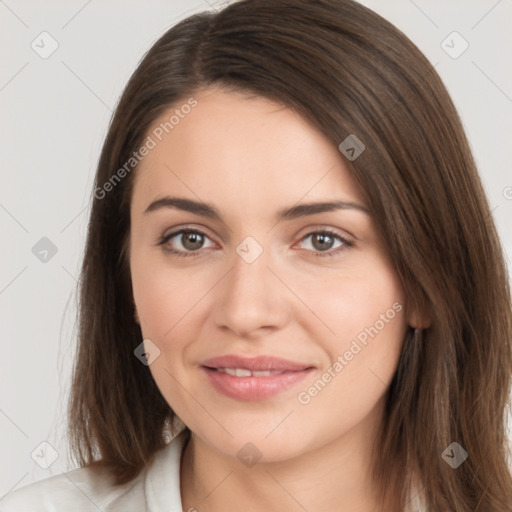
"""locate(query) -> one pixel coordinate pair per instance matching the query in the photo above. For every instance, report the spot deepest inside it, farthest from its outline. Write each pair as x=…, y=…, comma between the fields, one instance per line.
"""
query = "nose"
x=251, y=300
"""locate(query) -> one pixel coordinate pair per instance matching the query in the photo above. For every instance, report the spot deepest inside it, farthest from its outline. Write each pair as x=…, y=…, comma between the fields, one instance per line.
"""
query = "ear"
x=419, y=316
x=136, y=314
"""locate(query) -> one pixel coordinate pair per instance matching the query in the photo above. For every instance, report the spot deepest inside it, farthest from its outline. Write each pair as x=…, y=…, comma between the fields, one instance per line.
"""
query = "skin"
x=250, y=157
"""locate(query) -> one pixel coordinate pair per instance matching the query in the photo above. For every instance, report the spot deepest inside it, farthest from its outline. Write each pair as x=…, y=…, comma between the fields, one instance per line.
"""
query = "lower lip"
x=253, y=388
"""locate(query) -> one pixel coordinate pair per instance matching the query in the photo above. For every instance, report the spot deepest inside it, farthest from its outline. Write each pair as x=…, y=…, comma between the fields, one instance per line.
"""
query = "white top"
x=155, y=489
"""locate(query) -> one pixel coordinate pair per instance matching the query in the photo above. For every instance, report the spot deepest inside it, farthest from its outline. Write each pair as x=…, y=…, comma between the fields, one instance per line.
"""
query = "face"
x=282, y=330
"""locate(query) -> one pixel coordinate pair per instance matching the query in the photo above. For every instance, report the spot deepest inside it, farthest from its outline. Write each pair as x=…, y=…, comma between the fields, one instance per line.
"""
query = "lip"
x=253, y=387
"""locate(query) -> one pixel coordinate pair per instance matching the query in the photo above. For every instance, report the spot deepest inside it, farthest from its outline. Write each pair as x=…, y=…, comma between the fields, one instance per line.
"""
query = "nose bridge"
x=250, y=275
x=251, y=296
x=250, y=272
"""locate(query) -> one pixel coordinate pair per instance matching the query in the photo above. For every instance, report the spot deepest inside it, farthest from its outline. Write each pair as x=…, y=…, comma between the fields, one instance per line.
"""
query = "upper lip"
x=259, y=363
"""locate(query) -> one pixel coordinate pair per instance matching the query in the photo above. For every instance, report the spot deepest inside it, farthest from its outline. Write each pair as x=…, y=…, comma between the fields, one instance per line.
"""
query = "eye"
x=187, y=241
x=323, y=243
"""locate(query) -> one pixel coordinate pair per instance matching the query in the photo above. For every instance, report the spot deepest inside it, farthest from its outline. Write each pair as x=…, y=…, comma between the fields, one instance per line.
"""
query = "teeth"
x=242, y=372
x=238, y=372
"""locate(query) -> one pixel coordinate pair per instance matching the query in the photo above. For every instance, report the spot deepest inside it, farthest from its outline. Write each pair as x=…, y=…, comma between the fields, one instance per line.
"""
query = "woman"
x=291, y=270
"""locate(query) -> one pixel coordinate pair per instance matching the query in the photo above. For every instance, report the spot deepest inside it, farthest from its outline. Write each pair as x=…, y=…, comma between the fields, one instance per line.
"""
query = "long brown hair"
x=349, y=72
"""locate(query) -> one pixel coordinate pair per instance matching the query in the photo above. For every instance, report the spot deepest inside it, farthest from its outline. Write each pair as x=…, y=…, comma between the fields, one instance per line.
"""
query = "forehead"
x=245, y=151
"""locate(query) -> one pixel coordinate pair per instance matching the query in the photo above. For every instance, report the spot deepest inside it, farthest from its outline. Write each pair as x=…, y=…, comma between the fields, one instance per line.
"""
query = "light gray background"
x=55, y=113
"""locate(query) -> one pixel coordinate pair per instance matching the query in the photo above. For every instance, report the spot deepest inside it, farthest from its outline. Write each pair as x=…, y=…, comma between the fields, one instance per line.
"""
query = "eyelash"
x=321, y=254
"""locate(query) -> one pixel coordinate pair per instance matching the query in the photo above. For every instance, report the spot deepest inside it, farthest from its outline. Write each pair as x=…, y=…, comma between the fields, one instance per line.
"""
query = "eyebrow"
x=293, y=212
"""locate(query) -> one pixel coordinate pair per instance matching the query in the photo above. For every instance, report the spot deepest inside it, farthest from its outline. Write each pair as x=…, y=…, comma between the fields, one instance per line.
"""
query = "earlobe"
x=419, y=317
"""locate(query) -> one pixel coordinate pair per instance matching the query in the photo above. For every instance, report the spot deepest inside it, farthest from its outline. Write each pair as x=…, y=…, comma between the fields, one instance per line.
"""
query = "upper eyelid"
x=174, y=231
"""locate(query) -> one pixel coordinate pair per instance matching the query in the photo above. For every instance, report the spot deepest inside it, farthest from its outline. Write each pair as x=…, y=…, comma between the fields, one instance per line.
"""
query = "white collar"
x=162, y=480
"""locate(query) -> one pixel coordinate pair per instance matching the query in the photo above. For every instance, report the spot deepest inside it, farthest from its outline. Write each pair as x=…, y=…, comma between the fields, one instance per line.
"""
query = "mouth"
x=252, y=379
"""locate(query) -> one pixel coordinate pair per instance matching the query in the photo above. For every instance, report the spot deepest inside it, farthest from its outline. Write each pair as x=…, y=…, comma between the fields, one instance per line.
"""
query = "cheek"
x=347, y=301
x=165, y=297
x=365, y=311
x=171, y=306
x=168, y=303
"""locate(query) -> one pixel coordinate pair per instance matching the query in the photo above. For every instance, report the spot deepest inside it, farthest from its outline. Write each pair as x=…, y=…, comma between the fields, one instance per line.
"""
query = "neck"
x=336, y=476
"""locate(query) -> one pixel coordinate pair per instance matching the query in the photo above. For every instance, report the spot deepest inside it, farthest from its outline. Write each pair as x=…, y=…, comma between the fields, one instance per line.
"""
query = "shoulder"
x=85, y=489
x=92, y=488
